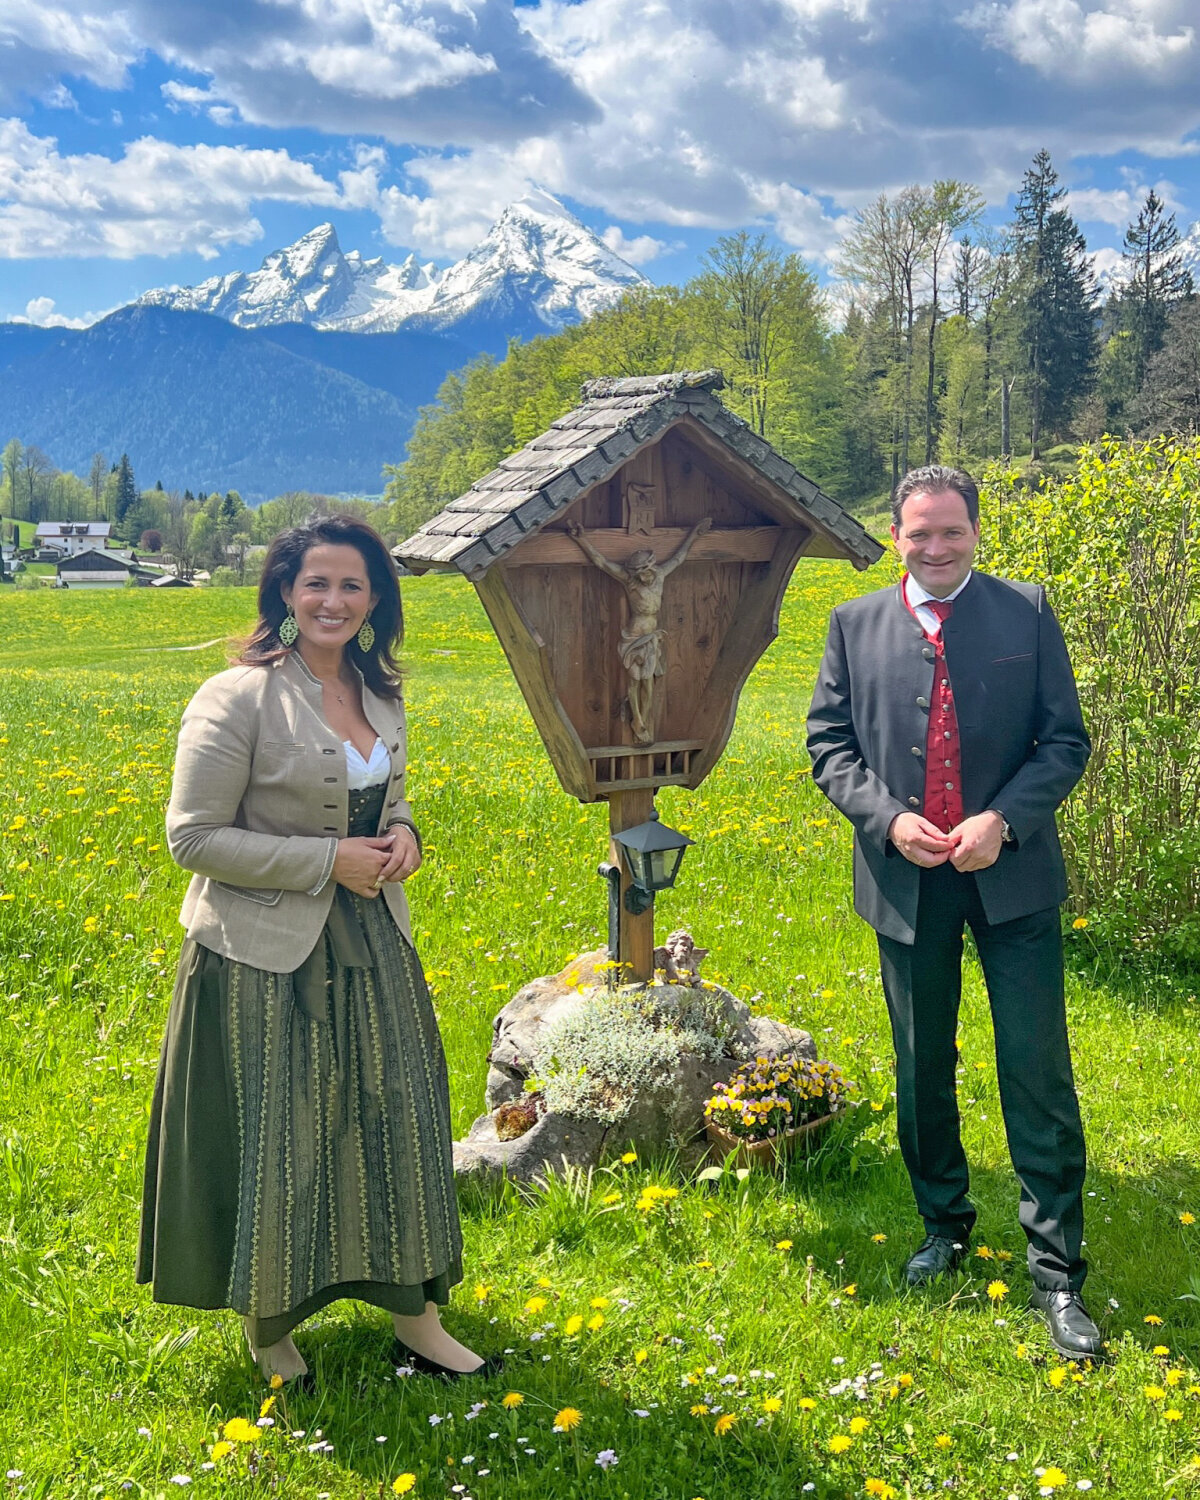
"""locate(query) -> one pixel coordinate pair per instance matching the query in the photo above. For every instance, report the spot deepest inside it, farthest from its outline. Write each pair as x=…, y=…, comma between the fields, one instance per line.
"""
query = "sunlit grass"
x=95, y=1393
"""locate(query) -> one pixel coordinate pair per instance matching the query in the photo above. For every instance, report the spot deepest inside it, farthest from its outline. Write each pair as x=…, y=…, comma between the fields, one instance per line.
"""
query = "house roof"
x=585, y=447
x=73, y=528
x=110, y=561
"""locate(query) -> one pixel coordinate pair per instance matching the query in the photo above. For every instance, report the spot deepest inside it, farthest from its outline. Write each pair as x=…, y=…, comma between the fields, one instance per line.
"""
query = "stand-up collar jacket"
x=258, y=803
x=1023, y=741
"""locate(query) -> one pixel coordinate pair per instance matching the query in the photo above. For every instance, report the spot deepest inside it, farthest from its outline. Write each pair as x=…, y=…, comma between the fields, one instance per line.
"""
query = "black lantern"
x=652, y=853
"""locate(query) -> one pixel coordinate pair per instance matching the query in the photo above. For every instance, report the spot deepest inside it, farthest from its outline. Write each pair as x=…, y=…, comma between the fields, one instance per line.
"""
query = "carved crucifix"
x=641, y=646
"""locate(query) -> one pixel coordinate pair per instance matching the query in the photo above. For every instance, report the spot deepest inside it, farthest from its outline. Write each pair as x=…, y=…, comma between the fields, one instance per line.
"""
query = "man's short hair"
x=936, y=479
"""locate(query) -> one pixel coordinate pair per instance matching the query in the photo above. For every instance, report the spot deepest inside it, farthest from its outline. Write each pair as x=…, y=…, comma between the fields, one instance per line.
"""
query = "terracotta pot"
x=800, y=1138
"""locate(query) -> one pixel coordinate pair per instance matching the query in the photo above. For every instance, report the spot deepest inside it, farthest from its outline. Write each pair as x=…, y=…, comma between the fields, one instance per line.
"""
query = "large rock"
x=669, y=1116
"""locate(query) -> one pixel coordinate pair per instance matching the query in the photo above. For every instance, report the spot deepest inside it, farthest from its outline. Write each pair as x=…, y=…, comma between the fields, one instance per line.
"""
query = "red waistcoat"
x=943, y=803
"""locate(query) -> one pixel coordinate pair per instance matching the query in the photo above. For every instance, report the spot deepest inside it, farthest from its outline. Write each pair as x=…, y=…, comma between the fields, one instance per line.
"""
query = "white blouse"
x=362, y=773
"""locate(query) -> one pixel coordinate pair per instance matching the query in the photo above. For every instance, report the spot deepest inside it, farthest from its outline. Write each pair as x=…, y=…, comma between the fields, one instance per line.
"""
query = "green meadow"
x=744, y=1338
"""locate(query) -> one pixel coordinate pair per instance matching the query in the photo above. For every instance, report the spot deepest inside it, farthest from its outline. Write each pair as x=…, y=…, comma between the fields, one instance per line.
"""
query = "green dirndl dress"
x=300, y=1146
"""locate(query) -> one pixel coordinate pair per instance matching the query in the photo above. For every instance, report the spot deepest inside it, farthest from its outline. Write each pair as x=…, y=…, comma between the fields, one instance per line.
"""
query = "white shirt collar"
x=917, y=595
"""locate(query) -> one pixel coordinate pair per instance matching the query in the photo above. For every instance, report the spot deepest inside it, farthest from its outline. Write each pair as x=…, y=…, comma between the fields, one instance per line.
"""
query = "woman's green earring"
x=366, y=635
x=288, y=629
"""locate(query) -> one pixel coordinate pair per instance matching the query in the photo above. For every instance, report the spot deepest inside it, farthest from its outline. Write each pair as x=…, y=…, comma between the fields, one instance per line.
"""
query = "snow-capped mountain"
x=537, y=269
x=1111, y=278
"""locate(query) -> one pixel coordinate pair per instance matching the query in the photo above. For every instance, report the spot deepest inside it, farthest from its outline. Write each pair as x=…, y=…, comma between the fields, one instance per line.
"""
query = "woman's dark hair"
x=285, y=557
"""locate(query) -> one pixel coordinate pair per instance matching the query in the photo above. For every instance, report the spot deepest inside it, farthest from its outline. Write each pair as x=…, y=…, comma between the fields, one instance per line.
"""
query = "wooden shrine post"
x=635, y=942
x=632, y=560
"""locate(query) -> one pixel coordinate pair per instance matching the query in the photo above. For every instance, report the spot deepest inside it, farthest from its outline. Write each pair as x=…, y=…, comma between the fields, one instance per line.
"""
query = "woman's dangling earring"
x=366, y=635
x=288, y=629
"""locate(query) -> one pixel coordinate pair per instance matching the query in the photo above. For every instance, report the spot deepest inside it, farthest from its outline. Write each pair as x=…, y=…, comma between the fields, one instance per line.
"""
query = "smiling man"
x=945, y=725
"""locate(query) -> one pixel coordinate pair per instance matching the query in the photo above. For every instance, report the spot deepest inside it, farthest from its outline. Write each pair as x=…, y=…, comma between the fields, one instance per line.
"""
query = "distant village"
x=84, y=559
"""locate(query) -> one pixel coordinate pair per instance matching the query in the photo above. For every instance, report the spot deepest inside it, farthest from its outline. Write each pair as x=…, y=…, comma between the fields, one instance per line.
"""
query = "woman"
x=300, y=1144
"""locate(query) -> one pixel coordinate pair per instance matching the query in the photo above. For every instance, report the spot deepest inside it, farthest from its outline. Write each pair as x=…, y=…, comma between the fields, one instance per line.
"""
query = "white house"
x=71, y=537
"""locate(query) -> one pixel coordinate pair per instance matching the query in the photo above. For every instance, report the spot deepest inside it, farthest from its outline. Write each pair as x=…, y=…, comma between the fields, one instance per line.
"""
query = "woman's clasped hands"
x=362, y=865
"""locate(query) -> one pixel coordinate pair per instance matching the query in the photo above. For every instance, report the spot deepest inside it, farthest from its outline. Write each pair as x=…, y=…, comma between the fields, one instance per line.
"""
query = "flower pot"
x=723, y=1143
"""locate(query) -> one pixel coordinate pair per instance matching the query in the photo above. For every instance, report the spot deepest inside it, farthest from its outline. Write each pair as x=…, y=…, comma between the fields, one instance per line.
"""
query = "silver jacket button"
x=914, y=802
x=922, y=702
x=916, y=750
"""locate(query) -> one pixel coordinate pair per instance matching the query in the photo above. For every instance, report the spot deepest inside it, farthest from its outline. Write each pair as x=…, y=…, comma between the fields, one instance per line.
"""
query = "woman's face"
x=331, y=596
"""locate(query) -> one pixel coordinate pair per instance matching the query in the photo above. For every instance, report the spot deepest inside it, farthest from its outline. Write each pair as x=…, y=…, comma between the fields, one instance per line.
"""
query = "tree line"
x=211, y=531
x=943, y=340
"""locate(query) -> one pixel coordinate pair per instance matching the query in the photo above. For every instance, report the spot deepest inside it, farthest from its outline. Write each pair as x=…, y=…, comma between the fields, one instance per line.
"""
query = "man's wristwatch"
x=1007, y=836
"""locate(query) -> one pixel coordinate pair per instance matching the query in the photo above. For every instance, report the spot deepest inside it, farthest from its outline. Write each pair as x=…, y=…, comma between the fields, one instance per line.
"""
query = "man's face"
x=936, y=540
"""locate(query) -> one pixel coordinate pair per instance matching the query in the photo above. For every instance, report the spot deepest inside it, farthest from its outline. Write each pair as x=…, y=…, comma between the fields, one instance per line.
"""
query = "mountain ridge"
x=536, y=270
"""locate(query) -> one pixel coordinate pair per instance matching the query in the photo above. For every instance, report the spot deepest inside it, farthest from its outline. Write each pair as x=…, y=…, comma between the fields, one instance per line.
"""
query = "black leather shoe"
x=1072, y=1331
x=401, y=1354
x=938, y=1255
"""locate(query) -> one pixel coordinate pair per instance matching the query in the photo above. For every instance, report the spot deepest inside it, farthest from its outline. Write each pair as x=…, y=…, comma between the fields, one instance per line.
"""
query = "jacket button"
x=914, y=802
x=922, y=702
x=927, y=652
x=916, y=750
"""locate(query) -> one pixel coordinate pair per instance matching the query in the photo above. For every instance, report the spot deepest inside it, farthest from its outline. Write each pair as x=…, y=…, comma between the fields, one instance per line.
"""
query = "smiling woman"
x=301, y=1045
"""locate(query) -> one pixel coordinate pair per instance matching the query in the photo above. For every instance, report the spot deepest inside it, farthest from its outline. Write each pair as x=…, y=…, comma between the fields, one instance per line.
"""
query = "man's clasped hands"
x=973, y=845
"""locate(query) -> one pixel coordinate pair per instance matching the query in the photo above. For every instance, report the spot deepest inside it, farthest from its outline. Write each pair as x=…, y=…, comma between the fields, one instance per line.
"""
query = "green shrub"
x=596, y=1060
x=1117, y=546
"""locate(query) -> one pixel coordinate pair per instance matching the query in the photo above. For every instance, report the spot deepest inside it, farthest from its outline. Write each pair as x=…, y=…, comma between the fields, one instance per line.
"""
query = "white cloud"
x=40, y=312
x=1117, y=206
x=157, y=199
x=639, y=250
x=1092, y=42
x=425, y=72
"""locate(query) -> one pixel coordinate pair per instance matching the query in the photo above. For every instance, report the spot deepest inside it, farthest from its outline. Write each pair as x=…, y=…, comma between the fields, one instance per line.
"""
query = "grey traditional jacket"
x=1024, y=745
x=258, y=803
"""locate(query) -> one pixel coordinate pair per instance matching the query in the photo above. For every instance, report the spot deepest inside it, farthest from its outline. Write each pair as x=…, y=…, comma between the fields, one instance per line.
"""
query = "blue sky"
x=165, y=141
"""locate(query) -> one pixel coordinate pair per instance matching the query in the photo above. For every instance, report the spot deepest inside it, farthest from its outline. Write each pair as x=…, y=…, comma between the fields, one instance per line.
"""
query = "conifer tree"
x=1157, y=277
x=1055, y=296
x=126, y=488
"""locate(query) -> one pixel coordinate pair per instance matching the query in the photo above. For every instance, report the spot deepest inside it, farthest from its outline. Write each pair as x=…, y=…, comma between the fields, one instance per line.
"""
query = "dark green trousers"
x=1023, y=970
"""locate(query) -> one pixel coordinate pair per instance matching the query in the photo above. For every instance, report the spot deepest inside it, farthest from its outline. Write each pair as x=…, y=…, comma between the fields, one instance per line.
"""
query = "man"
x=945, y=725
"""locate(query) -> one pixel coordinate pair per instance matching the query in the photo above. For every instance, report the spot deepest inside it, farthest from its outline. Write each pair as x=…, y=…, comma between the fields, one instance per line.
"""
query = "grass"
x=776, y=1299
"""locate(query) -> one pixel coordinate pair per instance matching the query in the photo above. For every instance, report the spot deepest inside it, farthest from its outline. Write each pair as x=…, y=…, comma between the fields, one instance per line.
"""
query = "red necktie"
x=943, y=608
x=943, y=763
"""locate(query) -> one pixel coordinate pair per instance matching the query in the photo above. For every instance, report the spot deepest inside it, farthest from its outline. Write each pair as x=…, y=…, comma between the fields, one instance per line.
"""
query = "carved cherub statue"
x=680, y=959
x=642, y=578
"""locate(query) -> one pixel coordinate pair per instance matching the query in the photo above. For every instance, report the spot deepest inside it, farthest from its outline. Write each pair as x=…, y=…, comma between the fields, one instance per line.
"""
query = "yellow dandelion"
x=220, y=1451
x=482, y=1291
x=997, y=1291
x=880, y=1487
x=1057, y=1377
x=512, y=1400
x=1022, y=1350
x=1153, y=1319
x=1161, y=1350
x=238, y=1430
x=1172, y=1414
x=568, y=1418
x=544, y=1282
x=944, y=1440
x=772, y=1404
x=1186, y=1218
x=783, y=1244
x=536, y=1305
x=858, y=1425
x=640, y=1356
x=610, y=1198
x=851, y=1290
x=904, y=1380
x=840, y=1442
x=573, y=1324
x=403, y=1483
x=265, y=1409
x=1153, y=1392
x=984, y=1253
x=596, y=1322
x=699, y=1410
x=600, y=1303
x=629, y=1158
x=806, y=1403
x=1052, y=1478
x=1174, y=1377
x=879, y=1239
x=724, y=1423
x=1079, y=923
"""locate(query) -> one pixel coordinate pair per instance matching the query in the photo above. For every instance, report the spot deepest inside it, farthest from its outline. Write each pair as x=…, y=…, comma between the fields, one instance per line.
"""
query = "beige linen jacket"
x=258, y=803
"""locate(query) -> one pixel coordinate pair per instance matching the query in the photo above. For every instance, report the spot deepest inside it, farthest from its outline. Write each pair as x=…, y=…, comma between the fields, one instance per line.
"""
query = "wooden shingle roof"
x=586, y=446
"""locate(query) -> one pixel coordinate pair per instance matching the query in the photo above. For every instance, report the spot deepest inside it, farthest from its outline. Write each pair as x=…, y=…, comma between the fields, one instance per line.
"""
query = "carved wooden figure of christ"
x=641, y=646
